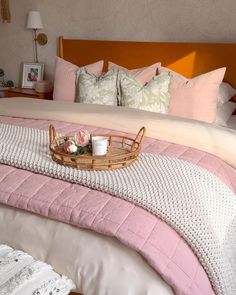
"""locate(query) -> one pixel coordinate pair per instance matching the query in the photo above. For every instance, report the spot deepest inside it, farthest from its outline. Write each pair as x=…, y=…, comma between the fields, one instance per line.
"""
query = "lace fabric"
x=57, y=286
x=18, y=269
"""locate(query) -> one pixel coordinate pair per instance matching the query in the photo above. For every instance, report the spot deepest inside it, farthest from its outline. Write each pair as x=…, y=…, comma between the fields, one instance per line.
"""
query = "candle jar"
x=99, y=145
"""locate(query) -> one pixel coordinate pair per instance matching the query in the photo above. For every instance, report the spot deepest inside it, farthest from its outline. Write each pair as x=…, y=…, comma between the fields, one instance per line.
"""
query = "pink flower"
x=82, y=138
x=70, y=147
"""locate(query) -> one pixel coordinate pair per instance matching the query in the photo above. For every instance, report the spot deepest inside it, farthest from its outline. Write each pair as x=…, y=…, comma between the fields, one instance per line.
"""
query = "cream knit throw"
x=192, y=200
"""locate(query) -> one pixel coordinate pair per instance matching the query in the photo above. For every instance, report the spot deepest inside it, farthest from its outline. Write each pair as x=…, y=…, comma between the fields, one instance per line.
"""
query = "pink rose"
x=82, y=138
x=70, y=147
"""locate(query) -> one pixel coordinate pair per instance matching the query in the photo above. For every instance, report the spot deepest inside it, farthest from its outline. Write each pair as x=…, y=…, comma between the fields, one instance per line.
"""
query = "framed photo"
x=31, y=73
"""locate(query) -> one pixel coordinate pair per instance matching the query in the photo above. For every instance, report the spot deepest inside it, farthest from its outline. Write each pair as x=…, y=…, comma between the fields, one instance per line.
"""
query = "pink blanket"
x=166, y=251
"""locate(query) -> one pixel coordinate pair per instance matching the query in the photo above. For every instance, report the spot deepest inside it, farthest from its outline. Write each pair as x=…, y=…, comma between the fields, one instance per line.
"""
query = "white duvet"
x=210, y=138
x=117, y=269
x=97, y=264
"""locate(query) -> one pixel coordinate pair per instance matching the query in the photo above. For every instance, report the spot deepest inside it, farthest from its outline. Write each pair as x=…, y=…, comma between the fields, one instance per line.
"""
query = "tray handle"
x=52, y=133
x=139, y=138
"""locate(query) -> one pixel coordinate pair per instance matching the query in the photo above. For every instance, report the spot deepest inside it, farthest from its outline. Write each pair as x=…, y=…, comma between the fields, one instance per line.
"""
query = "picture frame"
x=31, y=73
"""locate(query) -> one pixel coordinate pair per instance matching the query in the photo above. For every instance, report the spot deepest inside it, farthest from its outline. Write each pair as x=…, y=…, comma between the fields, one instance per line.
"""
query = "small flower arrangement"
x=79, y=144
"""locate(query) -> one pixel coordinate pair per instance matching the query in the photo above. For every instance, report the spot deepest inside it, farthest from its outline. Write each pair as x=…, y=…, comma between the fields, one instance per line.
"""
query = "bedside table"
x=21, y=92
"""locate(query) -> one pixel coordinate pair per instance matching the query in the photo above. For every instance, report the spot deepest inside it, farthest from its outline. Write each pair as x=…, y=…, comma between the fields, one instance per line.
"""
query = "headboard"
x=189, y=59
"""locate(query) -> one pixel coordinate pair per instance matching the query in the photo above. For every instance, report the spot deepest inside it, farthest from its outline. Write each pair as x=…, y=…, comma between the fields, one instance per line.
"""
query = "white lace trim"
x=57, y=286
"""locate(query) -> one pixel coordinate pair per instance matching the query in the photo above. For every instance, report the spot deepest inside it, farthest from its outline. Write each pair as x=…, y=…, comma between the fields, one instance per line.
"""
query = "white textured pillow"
x=94, y=90
x=226, y=92
x=224, y=112
x=153, y=96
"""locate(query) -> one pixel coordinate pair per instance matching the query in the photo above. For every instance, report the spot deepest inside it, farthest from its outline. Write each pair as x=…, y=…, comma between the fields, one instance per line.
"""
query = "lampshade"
x=34, y=20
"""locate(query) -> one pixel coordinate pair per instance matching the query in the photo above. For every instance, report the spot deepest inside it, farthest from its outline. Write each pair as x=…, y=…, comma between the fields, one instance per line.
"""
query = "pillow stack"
x=153, y=88
x=139, y=88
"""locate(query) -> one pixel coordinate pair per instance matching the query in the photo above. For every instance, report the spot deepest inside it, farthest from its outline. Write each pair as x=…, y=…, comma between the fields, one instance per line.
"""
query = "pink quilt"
x=162, y=247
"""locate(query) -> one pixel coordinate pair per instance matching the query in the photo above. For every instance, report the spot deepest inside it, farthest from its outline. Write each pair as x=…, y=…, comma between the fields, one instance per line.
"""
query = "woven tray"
x=122, y=151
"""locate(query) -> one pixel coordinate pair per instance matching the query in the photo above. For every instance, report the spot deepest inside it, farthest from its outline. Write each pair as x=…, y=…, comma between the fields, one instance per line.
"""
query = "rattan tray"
x=122, y=151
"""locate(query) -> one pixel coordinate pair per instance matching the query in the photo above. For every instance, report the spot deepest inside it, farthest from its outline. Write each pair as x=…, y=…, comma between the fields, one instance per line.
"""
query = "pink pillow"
x=195, y=98
x=65, y=77
x=143, y=75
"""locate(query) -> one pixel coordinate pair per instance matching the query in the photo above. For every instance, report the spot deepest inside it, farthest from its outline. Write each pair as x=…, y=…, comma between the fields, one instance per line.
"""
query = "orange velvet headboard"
x=189, y=59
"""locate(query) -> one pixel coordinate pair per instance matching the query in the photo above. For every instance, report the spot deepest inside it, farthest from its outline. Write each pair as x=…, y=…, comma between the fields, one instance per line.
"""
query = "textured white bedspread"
x=20, y=274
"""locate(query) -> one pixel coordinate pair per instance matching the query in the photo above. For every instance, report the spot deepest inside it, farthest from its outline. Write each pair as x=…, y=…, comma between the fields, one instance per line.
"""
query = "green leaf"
x=81, y=150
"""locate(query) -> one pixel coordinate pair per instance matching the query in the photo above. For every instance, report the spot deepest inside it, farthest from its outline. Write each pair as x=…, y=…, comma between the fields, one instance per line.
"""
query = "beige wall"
x=147, y=20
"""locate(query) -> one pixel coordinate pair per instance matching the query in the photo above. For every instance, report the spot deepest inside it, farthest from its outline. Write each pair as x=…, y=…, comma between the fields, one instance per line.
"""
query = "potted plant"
x=9, y=83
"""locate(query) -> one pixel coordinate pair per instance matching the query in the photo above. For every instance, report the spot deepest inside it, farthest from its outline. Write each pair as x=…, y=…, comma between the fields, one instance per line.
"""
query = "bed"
x=68, y=224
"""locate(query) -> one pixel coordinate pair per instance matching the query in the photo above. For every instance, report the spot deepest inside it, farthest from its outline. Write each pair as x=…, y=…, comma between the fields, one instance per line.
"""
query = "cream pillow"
x=94, y=90
x=154, y=96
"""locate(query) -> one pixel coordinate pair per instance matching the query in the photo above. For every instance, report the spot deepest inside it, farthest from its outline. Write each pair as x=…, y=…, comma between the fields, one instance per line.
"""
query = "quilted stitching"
x=114, y=216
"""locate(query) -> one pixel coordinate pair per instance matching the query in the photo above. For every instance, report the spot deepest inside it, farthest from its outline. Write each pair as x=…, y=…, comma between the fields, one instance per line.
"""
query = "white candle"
x=99, y=145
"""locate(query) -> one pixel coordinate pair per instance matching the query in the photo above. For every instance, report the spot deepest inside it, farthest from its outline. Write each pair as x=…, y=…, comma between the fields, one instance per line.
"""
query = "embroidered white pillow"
x=153, y=96
x=94, y=90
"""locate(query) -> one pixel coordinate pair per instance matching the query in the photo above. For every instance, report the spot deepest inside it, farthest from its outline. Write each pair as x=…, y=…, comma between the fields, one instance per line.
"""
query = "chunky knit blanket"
x=192, y=200
x=21, y=274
